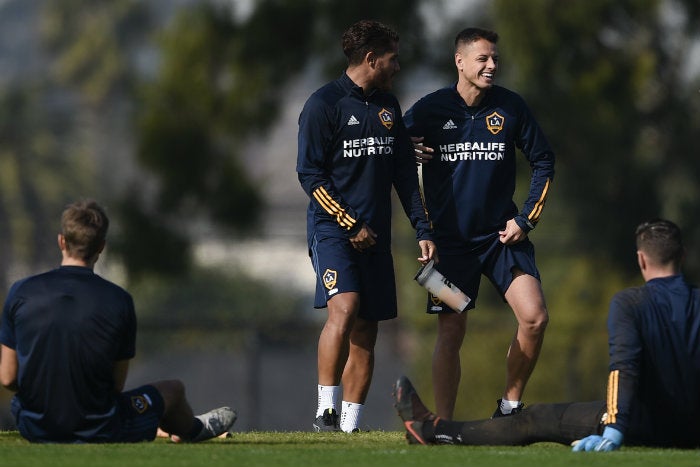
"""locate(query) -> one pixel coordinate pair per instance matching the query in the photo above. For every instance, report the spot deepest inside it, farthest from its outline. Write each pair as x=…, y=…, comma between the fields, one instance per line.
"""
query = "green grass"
x=385, y=449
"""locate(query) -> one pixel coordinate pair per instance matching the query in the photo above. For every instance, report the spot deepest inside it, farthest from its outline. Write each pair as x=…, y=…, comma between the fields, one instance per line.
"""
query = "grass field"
x=385, y=449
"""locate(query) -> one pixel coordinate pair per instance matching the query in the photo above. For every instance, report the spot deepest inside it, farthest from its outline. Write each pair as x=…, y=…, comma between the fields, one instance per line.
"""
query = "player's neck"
x=70, y=261
x=471, y=94
x=361, y=78
x=658, y=273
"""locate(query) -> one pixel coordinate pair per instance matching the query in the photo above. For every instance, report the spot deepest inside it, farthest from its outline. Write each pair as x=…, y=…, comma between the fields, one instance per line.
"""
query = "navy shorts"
x=140, y=411
x=340, y=268
x=494, y=260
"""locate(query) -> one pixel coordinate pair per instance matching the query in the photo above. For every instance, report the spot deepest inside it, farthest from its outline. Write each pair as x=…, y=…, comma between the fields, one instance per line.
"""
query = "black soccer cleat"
x=514, y=411
x=328, y=421
x=215, y=423
x=414, y=433
x=408, y=404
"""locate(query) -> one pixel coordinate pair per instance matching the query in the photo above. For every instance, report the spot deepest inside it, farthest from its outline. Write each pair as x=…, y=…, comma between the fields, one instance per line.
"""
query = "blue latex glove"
x=610, y=441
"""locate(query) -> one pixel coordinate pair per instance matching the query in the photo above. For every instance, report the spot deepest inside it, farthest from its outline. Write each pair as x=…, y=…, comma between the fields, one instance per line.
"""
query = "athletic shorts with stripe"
x=340, y=268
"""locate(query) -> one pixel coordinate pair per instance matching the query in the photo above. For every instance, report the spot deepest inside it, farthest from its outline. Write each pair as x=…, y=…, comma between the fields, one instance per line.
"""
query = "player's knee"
x=343, y=306
x=535, y=323
x=541, y=322
x=340, y=323
x=172, y=391
x=449, y=341
x=452, y=324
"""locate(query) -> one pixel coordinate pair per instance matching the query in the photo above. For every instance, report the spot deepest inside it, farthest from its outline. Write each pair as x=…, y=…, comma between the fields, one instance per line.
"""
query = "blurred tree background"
x=150, y=107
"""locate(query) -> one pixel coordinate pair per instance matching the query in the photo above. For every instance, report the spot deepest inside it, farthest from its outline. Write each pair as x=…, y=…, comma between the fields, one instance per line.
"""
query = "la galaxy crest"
x=436, y=303
x=494, y=122
x=387, y=118
x=330, y=277
x=139, y=403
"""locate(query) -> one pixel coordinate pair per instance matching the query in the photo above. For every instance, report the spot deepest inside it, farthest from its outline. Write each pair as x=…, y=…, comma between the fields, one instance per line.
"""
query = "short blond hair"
x=84, y=227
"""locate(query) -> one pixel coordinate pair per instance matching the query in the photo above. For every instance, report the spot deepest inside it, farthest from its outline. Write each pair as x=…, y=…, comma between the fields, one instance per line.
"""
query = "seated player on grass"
x=67, y=337
x=653, y=396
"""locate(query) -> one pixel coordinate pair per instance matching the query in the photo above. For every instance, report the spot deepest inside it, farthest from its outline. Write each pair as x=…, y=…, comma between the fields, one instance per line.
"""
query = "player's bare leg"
x=447, y=369
x=178, y=420
x=177, y=416
x=527, y=301
x=333, y=351
x=357, y=376
x=334, y=341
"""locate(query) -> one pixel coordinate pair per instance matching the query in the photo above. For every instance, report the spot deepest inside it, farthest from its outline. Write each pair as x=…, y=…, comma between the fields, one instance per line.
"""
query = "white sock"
x=327, y=398
x=350, y=416
x=508, y=406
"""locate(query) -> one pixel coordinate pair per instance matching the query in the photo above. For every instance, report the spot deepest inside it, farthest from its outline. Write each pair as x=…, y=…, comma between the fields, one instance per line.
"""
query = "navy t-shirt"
x=68, y=326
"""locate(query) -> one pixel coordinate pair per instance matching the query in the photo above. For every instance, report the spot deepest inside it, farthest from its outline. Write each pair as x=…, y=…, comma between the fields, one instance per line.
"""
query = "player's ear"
x=641, y=260
x=371, y=58
x=458, y=60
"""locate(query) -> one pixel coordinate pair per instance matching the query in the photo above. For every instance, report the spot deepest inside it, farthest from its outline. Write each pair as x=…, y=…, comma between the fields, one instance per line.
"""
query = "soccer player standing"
x=466, y=139
x=353, y=147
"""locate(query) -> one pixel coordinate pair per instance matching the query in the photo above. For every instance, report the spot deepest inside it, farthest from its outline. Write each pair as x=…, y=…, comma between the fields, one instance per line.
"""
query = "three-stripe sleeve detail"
x=534, y=215
x=332, y=207
x=613, y=388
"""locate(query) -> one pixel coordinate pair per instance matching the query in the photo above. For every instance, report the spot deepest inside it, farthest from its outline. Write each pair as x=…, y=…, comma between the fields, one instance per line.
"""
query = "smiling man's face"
x=477, y=63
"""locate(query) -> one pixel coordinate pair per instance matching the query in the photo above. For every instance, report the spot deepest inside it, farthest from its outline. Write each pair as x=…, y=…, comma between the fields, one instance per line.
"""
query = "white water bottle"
x=438, y=285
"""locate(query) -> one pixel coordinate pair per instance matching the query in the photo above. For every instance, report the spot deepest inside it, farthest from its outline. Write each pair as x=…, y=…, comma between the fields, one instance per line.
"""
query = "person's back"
x=70, y=327
x=662, y=353
x=66, y=338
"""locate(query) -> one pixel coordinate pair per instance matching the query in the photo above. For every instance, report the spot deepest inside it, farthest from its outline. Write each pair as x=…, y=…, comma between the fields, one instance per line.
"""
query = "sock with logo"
x=508, y=406
x=327, y=397
x=350, y=416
